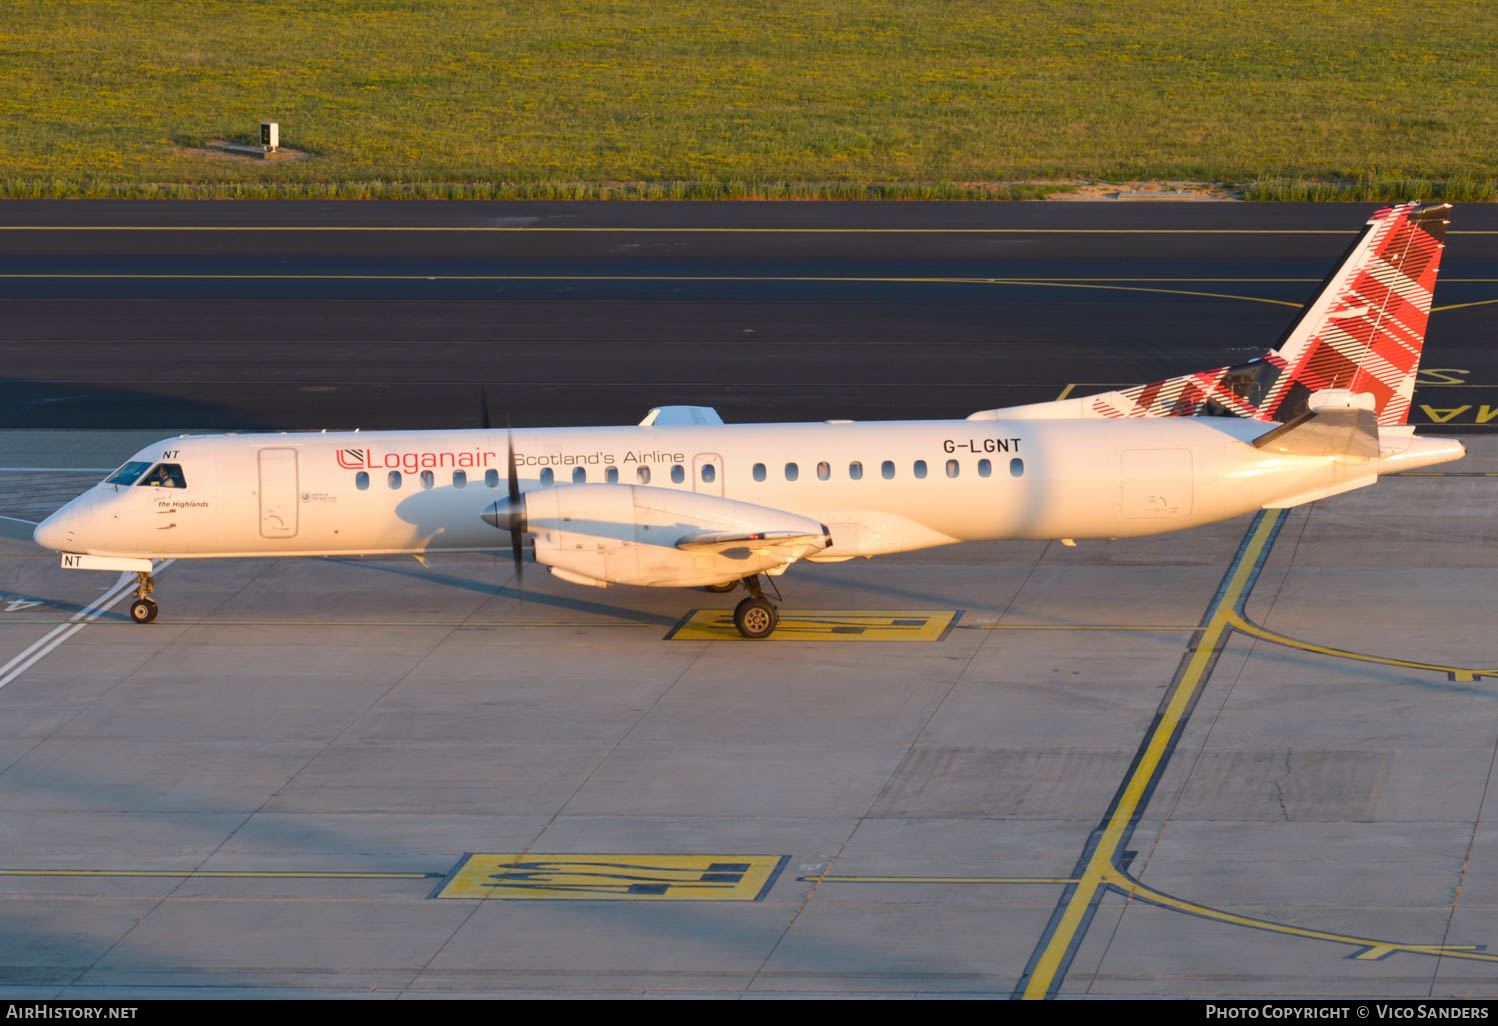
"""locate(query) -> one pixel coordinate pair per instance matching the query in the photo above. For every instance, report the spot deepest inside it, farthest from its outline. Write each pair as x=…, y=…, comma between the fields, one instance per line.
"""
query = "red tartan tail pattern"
x=1363, y=332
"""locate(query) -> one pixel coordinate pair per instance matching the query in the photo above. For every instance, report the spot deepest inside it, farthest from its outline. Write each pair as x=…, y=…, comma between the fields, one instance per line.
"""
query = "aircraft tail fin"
x=1363, y=332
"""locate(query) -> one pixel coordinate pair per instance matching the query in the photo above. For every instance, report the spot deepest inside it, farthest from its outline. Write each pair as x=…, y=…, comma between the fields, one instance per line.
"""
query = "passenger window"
x=643, y=473
x=428, y=479
x=460, y=479
x=361, y=480
x=611, y=475
x=855, y=470
x=985, y=468
x=579, y=475
x=678, y=475
x=920, y=468
x=491, y=479
x=128, y=474
x=759, y=472
x=792, y=472
x=394, y=479
x=824, y=471
x=1016, y=467
x=887, y=468
x=952, y=468
x=165, y=475
x=547, y=477
x=709, y=473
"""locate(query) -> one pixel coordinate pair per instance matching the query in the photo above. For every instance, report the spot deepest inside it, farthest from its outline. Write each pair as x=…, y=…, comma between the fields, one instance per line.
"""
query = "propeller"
x=517, y=507
x=508, y=514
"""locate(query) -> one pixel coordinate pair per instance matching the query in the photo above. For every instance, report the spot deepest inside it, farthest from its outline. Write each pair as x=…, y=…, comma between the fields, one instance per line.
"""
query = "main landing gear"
x=756, y=616
x=143, y=609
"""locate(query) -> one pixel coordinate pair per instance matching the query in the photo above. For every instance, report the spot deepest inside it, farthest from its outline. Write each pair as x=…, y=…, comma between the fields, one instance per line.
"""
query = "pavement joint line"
x=222, y=874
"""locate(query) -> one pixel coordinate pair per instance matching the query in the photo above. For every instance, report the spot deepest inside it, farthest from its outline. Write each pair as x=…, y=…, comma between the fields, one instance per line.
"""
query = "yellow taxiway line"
x=1099, y=872
x=1240, y=621
x=942, y=879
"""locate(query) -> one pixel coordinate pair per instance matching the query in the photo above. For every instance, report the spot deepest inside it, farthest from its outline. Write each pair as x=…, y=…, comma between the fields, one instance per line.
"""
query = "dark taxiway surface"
x=310, y=315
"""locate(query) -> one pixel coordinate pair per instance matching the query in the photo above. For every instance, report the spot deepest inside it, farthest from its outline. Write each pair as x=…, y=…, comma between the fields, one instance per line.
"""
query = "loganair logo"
x=372, y=459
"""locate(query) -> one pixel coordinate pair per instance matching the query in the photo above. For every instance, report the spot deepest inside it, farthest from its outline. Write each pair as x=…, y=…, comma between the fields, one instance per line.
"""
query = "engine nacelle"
x=630, y=534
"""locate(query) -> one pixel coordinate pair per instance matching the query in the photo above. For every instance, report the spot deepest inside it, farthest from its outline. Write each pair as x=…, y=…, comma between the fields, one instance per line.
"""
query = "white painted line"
x=56, y=470
x=39, y=649
x=18, y=520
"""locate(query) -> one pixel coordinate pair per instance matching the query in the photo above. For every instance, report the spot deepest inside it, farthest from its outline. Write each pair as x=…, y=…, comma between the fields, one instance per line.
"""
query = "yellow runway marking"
x=614, y=877
x=1106, y=284
x=575, y=230
x=677, y=278
x=824, y=625
x=1460, y=306
x=555, y=229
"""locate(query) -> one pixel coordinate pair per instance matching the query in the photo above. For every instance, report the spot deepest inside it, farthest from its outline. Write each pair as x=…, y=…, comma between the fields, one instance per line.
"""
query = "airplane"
x=684, y=500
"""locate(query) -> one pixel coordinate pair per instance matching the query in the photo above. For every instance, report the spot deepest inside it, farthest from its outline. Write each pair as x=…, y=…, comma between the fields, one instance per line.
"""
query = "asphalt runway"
x=302, y=316
x=1250, y=759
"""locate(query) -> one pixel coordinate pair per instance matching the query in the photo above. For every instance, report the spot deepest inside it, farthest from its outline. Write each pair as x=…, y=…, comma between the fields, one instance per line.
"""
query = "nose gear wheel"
x=144, y=608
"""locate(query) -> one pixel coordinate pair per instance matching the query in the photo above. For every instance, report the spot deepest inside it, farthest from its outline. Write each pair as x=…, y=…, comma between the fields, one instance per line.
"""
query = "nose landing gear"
x=143, y=609
x=756, y=616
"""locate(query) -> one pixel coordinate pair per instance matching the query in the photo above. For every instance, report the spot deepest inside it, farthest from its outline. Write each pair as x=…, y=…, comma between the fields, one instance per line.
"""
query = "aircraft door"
x=278, y=493
x=707, y=473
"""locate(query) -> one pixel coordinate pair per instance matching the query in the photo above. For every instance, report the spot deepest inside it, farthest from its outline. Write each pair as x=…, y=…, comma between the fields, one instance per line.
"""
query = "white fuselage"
x=424, y=491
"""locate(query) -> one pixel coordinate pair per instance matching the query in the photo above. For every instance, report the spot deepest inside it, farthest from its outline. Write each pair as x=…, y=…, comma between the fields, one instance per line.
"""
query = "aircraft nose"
x=58, y=532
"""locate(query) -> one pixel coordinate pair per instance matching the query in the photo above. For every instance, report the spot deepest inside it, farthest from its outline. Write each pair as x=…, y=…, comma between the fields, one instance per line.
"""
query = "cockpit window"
x=164, y=475
x=128, y=474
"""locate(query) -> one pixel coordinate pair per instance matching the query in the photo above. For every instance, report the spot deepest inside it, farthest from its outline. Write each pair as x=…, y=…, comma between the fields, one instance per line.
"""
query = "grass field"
x=663, y=98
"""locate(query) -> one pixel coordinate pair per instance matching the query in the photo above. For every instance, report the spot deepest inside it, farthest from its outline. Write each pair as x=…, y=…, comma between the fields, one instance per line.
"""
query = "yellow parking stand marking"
x=824, y=625
x=614, y=877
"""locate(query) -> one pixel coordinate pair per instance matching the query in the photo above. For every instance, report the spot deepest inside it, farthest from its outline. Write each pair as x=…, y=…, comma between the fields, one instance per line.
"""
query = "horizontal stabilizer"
x=1329, y=431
